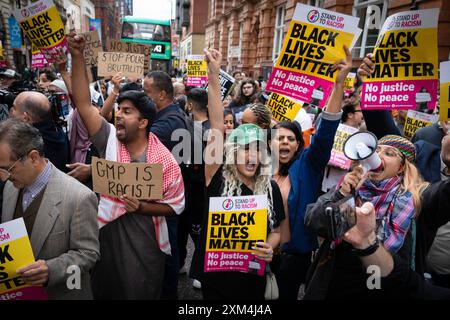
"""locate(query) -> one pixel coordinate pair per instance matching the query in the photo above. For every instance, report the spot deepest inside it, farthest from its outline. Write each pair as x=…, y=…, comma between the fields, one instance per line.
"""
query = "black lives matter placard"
x=138, y=180
x=235, y=225
x=405, y=74
x=42, y=24
x=16, y=253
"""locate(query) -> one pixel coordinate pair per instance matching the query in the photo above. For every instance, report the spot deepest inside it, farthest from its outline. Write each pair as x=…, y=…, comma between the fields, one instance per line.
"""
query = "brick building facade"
x=111, y=12
x=191, y=17
x=249, y=33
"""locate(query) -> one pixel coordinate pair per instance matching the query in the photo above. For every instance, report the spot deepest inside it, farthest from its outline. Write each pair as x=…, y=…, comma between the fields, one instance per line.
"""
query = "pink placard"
x=417, y=95
x=216, y=261
x=306, y=88
x=27, y=293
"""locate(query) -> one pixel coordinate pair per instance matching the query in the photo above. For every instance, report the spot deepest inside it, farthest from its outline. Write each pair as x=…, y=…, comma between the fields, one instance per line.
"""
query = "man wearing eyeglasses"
x=60, y=213
x=34, y=108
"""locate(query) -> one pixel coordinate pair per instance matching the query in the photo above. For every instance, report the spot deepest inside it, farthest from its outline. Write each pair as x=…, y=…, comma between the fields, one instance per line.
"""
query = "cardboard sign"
x=406, y=63
x=93, y=48
x=196, y=71
x=130, y=64
x=312, y=45
x=337, y=158
x=138, y=180
x=16, y=253
x=283, y=108
x=416, y=120
x=235, y=225
x=130, y=47
x=444, y=109
x=42, y=24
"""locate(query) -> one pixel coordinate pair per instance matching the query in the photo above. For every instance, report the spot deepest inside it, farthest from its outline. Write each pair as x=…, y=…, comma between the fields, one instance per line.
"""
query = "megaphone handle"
x=353, y=192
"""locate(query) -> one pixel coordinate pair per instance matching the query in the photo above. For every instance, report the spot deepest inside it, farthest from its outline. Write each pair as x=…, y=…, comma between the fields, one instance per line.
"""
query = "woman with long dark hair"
x=299, y=175
x=246, y=94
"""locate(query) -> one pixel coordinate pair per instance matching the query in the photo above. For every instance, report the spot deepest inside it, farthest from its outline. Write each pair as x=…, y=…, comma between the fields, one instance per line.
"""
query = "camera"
x=342, y=217
x=59, y=102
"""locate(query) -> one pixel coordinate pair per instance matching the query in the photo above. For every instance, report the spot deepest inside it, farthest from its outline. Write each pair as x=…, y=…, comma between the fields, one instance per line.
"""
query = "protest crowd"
x=302, y=187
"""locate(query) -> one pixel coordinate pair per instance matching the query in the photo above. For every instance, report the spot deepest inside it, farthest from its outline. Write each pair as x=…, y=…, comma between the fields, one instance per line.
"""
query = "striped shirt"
x=32, y=191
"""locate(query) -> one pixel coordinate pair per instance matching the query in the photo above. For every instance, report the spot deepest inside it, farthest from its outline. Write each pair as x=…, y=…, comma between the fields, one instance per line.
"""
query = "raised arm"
x=322, y=143
x=215, y=110
x=334, y=104
x=106, y=110
x=80, y=85
x=380, y=122
x=61, y=65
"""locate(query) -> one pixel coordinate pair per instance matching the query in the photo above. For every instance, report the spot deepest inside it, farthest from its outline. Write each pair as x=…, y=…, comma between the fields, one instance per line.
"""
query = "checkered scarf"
x=394, y=209
x=173, y=187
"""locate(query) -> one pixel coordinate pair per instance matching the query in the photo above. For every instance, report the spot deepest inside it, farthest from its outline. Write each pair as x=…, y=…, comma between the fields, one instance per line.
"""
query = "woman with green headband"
x=246, y=171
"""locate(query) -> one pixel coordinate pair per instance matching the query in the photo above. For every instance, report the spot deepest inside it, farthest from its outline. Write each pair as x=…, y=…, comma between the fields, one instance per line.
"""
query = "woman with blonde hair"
x=246, y=171
x=396, y=191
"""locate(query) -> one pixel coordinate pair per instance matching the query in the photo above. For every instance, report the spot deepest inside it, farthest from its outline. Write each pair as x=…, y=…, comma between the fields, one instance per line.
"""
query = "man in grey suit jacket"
x=59, y=213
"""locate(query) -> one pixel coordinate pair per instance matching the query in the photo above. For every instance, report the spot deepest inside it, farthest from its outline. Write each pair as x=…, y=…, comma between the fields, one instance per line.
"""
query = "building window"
x=316, y=3
x=213, y=8
x=372, y=14
x=241, y=38
x=279, y=31
x=189, y=48
x=230, y=39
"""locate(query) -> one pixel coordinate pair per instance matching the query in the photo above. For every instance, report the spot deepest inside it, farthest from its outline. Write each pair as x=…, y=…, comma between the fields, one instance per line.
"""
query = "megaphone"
x=361, y=146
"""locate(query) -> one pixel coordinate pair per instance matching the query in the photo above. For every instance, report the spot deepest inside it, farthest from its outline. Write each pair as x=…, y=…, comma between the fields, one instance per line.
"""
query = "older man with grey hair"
x=60, y=213
x=34, y=108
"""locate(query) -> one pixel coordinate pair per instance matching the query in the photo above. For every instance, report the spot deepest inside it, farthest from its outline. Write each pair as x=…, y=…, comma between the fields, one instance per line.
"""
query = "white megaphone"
x=361, y=146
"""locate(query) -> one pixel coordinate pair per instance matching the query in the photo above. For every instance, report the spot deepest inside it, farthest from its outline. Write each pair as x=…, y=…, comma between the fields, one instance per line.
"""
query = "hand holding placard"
x=137, y=180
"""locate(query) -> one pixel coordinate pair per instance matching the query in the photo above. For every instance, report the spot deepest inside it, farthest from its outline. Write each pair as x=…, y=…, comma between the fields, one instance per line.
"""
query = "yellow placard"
x=406, y=55
x=444, y=109
x=312, y=49
x=14, y=255
x=45, y=30
x=236, y=231
x=282, y=107
x=416, y=120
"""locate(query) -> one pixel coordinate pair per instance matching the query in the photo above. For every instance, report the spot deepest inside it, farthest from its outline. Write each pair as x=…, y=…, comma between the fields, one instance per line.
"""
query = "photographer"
x=34, y=108
x=8, y=81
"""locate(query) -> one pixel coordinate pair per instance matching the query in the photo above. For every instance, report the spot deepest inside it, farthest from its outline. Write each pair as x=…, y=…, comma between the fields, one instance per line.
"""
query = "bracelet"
x=367, y=251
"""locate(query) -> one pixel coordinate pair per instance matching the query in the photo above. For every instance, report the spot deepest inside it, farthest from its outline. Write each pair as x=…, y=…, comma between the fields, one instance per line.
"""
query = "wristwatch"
x=367, y=251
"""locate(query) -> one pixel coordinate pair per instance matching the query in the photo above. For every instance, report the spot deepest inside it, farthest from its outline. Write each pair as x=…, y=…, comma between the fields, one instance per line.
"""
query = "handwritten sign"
x=16, y=253
x=138, y=180
x=130, y=64
x=130, y=47
x=93, y=48
x=235, y=225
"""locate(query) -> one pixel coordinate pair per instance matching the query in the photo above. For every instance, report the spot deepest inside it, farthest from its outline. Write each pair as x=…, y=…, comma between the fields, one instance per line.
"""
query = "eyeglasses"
x=5, y=174
x=390, y=152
